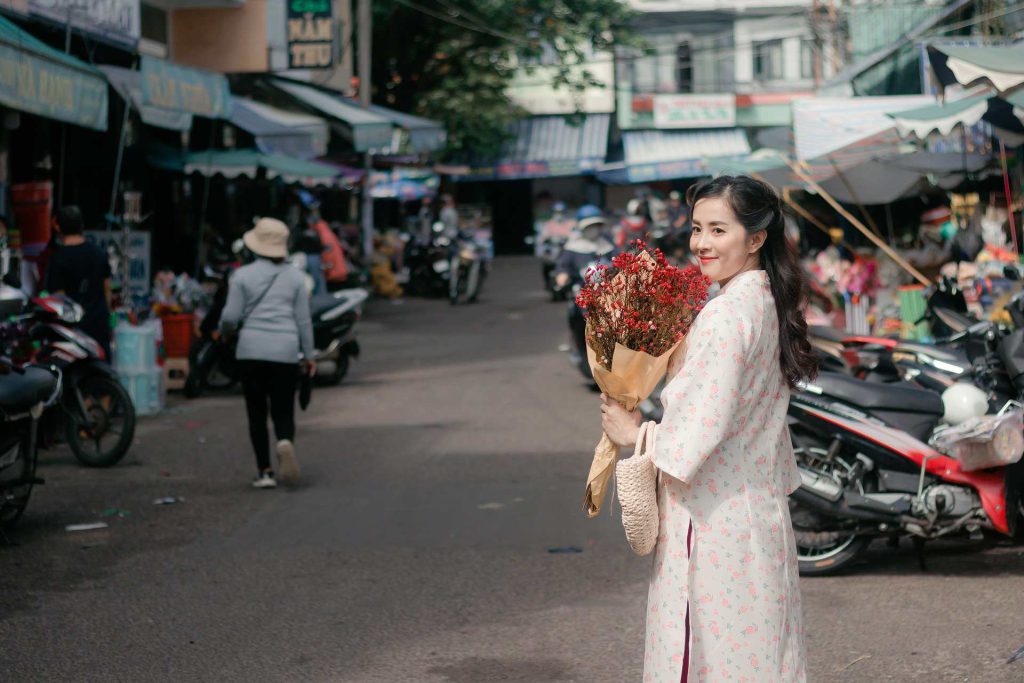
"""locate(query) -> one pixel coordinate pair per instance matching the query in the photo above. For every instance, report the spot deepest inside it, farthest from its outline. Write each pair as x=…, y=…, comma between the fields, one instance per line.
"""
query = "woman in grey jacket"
x=269, y=301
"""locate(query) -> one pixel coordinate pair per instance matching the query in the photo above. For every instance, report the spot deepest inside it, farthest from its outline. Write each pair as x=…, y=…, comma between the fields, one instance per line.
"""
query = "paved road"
x=436, y=482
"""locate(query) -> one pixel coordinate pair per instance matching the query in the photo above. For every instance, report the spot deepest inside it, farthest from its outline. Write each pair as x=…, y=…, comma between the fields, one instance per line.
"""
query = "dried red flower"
x=641, y=302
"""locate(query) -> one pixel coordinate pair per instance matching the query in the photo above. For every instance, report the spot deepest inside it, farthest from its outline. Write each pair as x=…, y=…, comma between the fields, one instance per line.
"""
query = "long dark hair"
x=758, y=208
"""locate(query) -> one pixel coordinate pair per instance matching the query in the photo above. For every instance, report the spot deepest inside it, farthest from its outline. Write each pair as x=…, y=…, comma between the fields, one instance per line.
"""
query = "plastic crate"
x=146, y=389
x=135, y=348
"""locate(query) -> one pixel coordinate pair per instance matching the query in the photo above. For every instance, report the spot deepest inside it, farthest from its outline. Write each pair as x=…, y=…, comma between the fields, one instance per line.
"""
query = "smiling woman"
x=724, y=599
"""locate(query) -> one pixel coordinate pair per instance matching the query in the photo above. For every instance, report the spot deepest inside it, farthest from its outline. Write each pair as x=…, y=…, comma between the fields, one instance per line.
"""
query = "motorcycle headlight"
x=441, y=266
x=467, y=253
x=72, y=312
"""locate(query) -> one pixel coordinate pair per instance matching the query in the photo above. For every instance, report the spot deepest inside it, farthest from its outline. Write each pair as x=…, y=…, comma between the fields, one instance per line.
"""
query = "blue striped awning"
x=548, y=146
x=653, y=155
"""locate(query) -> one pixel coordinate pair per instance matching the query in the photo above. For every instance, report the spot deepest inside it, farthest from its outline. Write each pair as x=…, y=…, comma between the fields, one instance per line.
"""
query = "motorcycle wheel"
x=822, y=552
x=340, y=370
x=112, y=414
x=13, y=506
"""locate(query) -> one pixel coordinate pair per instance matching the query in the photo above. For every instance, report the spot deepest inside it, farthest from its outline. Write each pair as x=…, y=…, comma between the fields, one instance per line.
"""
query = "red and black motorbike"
x=95, y=412
x=869, y=468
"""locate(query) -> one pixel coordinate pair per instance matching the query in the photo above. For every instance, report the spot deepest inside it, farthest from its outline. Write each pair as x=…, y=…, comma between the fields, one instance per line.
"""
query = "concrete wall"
x=226, y=40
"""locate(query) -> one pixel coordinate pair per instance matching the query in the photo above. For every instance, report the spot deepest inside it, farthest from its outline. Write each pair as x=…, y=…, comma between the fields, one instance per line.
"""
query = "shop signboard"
x=118, y=21
x=180, y=88
x=139, y=266
x=310, y=29
x=51, y=88
x=694, y=111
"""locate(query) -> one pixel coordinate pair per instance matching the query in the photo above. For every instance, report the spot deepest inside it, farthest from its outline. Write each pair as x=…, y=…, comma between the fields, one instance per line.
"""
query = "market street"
x=437, y=481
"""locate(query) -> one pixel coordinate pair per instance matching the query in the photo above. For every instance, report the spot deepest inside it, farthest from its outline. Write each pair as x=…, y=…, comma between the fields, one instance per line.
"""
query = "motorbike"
x=212, y=366
x=25, y=394
x=871, y=462
x=429, y=264
x=334, y=319
x=94, y=412
x=578, y=322
x=550, y=249
x=466, y=273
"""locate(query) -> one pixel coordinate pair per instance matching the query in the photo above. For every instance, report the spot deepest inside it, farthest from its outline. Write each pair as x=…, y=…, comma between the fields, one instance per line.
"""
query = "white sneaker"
x=288, y=464
x=264, y=481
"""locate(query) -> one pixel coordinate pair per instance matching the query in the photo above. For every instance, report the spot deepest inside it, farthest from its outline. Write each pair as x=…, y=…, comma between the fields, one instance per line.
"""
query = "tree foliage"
x=452, y=60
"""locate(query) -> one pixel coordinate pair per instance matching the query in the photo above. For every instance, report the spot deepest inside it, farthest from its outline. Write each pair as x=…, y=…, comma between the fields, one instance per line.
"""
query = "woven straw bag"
x=637, y=482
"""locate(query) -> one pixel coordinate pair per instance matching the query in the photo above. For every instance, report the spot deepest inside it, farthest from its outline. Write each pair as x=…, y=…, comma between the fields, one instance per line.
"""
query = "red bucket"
x=178, y=330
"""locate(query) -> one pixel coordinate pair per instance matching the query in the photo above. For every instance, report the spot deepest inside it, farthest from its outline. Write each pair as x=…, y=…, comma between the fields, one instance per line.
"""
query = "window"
x=684, y=68
x=807, y=50
x=768, y=60
x=154, y=23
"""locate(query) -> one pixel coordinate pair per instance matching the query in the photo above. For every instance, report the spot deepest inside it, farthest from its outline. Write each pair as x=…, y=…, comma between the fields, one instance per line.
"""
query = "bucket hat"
x=269, y=238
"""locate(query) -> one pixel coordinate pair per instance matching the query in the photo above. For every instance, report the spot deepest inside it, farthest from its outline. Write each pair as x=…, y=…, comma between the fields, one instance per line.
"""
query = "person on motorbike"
x=588, y=245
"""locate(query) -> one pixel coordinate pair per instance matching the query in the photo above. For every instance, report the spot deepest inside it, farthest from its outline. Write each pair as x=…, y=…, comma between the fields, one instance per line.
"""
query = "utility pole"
x=364, y=22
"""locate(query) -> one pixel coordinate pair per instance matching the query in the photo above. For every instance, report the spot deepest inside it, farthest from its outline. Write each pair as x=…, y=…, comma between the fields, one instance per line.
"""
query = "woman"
x=268, y=300
x=724, y=602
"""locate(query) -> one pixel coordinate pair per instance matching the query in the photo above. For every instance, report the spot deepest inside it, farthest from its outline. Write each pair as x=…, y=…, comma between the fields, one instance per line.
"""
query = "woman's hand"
x=621, y=426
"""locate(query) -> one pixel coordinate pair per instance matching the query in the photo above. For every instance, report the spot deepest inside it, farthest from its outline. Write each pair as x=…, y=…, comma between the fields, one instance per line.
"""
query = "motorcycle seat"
x=876, y=396
x=18, y=392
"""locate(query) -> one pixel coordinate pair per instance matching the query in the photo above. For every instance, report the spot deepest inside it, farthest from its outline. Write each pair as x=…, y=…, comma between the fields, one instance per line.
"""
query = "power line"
x=462, y=24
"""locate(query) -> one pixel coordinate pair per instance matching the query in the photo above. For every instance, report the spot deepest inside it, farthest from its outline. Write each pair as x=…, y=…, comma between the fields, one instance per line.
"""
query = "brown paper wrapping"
x=633, y=377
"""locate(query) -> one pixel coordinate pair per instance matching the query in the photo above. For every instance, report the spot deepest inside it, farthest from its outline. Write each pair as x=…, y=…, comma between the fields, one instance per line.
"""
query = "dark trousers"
x=265, y=381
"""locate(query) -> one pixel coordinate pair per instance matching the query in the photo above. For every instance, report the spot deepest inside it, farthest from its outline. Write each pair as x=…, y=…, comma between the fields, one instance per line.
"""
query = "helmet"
x=962, y=402
x=588, y=211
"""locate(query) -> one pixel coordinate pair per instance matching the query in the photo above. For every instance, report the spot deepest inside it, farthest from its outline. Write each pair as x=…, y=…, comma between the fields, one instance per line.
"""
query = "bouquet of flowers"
x=638, y=311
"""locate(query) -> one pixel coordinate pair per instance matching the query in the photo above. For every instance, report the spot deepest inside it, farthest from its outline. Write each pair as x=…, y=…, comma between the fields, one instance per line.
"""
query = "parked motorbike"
x=550, y=249
x=466, y=273
x=868, y=471
x=212, y=365
x=578, y=322
x=94, y=412
x=334, y=319
x=25, y=395
x=429, y=264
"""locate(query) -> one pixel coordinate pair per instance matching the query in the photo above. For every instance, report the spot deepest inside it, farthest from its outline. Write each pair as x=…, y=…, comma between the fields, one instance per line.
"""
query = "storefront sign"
x=139, y=258
x=519, y=170
x=180, y=88
x=310, y=34
x=116, y=20
x=694, y=111
x=51, y=89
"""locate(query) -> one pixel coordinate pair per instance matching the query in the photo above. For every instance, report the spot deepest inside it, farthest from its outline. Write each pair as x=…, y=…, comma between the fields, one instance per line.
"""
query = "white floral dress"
x=724, y=593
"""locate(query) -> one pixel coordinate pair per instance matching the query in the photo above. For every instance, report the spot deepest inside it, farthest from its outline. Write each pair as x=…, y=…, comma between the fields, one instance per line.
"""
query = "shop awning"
x=366, y=130
x=171, y=86
x=236, y=163
x=652, y=155
x=293, y=134
x=37, y=79
x=1000, y=66
x=128, y=84
x=546, y=147
x=425, y=135
x=1004, y=113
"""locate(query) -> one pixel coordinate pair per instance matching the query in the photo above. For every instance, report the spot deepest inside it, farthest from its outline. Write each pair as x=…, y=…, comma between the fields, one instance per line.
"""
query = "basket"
x=983, y=442
x=178, y=331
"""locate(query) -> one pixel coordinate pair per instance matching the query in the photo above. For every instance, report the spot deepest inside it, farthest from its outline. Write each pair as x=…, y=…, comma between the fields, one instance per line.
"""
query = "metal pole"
x=365, y=25
x=63, y=126
x=1009, y=200
x=120, y=156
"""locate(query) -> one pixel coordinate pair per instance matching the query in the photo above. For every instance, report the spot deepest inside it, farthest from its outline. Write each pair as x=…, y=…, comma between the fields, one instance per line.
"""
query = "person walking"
x=80, y=269
x=724, y=598
x=268, y=306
